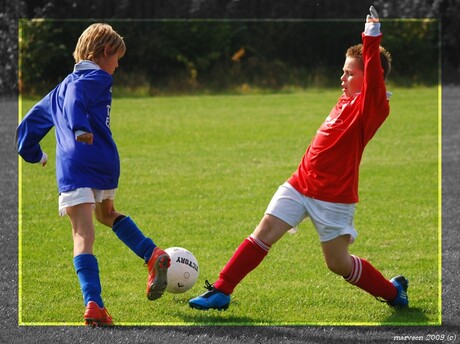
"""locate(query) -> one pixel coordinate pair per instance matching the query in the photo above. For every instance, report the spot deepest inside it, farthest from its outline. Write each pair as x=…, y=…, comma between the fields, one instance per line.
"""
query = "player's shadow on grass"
x=406, y=316
x=413, y=316
x=216, y=318
x=204, y=319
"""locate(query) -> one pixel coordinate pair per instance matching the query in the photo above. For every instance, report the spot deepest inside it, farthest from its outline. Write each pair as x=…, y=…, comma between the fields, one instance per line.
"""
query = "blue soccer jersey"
x=80, y=103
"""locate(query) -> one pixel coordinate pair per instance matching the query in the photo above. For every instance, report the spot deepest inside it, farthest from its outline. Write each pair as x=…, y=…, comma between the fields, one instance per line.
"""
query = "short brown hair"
x=93, y=41
x=356, y=51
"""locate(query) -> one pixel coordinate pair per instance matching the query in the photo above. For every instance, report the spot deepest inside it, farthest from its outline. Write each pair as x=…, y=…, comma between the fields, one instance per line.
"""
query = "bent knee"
x=340, y=267
x=104, y=218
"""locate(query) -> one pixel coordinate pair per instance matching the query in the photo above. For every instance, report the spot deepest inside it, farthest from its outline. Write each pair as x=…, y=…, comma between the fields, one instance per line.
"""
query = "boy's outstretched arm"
x=373, y=71
x=374, y=102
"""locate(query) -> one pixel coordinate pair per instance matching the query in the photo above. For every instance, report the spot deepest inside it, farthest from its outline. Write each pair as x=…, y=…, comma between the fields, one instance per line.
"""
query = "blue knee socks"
x=87, y=267
x=128, y=232
x=88, y=275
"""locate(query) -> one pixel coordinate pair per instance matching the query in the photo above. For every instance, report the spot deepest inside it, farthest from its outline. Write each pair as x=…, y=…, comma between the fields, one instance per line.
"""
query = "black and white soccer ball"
x=183, y=271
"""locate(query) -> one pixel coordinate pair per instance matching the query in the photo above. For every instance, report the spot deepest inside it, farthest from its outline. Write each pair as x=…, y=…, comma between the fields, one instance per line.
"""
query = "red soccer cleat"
x=96, y=316
x=157, y=265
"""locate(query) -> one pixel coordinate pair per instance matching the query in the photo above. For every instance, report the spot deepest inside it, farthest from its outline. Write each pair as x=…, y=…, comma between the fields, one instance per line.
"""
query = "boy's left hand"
x=44, y=159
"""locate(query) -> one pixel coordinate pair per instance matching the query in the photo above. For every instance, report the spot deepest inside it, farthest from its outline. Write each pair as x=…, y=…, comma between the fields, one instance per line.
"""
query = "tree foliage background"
x=218, y=45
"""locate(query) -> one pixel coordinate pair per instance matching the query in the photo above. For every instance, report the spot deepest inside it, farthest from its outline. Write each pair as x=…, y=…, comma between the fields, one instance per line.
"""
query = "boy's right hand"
x=85, y=138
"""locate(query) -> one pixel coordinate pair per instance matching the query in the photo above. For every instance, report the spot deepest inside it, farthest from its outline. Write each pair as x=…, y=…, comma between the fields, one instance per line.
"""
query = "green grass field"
x=198, y=172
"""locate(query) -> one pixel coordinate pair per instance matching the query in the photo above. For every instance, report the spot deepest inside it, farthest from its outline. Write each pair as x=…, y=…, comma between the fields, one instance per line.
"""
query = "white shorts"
x=330, y=219
x=83, y=195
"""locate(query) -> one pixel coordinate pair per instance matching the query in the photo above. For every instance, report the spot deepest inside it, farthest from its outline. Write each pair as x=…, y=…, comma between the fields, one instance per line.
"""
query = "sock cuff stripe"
x=260, y=243
x=356, y=271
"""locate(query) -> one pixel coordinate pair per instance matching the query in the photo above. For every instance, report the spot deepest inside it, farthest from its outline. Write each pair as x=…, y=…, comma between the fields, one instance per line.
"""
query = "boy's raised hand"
x=372, y=26
x=373, y=17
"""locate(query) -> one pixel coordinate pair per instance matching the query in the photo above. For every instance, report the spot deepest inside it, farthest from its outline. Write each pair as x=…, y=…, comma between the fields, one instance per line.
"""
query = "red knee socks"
x=366, y=277
x=246, y=258
x=252, y=251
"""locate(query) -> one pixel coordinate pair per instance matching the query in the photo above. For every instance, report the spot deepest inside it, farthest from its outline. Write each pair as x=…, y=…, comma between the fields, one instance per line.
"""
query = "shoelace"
x=208, y=285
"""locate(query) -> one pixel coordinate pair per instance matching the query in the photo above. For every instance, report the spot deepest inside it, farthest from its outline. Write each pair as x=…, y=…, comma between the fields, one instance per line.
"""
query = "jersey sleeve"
x=373, y=71
x=76, y=103
x=32, y=129
x=375, y=105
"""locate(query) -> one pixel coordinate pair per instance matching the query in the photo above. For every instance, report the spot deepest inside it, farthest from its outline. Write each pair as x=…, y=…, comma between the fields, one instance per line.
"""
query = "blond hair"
x=356, y=51
x=93, y=41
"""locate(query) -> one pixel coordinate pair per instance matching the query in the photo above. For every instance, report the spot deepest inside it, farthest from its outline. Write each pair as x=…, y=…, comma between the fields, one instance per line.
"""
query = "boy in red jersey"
x=325, y=185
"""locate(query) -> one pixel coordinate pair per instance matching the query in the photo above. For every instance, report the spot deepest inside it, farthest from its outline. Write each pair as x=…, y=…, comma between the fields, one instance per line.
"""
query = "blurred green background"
x=208, y=56
x=187, y=46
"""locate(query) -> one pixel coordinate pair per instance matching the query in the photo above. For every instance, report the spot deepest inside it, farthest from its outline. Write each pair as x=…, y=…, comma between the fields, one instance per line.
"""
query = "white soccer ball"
x=183, y=272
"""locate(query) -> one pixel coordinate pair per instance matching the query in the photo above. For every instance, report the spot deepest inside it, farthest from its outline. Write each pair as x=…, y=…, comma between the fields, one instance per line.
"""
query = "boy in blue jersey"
x=88, y=165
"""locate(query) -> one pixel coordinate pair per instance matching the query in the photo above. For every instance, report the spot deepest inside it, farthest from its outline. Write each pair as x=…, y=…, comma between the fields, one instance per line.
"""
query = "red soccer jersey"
x=329, y=170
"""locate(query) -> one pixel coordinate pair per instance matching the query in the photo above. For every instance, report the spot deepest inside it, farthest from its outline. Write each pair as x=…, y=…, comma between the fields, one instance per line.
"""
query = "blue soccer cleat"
x=212, y=299
x=401, y=300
